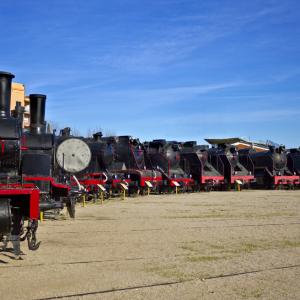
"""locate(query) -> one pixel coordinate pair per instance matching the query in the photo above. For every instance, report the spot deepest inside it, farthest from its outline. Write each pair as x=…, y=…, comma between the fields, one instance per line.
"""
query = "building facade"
x=18, y=95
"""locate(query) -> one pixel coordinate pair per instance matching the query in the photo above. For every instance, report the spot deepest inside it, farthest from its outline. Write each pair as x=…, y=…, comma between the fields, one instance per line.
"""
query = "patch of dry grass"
x=170, y=272
x=201, y=258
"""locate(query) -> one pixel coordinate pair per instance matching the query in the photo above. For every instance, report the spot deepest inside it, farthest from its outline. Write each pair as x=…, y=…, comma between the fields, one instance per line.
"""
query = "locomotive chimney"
x=5, y=94
x=65, y=132
x=37, y=113
x=18, y=112
x=97, y=136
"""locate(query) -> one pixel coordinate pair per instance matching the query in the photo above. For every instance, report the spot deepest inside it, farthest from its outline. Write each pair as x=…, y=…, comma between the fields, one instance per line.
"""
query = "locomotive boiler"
x=207, y=170
x=18, y=201
x=271, y=168
x=237, y=170
x=164, y=156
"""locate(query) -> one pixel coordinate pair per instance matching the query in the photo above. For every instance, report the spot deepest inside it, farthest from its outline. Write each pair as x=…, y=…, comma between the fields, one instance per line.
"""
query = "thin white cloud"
x=176, y=40
x=147, y=98
x=233, y=117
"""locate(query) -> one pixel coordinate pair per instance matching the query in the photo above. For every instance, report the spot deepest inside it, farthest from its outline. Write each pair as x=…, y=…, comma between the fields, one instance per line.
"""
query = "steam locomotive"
x=207, y=170
x=51, y=162
x=164, y=156
x=18, y=201
x=237, y=169
x=272, y=167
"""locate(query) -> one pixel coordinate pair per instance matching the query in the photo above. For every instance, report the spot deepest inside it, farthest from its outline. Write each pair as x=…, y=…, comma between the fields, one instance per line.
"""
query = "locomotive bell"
x=73, y=155
x=5, y=93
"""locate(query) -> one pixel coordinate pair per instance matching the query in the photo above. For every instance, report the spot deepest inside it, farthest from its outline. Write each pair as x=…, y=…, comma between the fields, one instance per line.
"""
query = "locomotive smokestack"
x=18, y=112
x=5, y=93
x=97, y=136
x=37, y=113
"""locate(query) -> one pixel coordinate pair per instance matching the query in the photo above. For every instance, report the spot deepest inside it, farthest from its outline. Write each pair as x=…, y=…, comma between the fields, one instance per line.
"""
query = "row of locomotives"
x=19, y=201
x=103, y=174
x=271, y=168
x=164, y=156
x=45, y=162
x=206, y=170
x=238, y=169
x=118, y=165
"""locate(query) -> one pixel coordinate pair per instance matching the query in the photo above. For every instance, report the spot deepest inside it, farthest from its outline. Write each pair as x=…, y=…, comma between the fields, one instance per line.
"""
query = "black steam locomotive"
x=18, y=201
x=207, y=170
x=50, y=161
x=237, y=169
x=164, y=156
x=271, y=167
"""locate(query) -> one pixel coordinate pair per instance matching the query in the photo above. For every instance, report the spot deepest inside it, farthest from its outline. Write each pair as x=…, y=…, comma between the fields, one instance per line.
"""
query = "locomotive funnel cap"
x=7, y=74
x=190, y=144
x=5, y=93
x=97, y=136
x=37, y=113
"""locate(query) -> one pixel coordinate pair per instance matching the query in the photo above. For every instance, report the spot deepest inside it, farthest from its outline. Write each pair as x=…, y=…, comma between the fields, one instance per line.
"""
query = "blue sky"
x=174, y=69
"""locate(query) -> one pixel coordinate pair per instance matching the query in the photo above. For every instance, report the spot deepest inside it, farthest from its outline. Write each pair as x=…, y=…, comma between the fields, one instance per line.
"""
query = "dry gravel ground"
x=219, y=245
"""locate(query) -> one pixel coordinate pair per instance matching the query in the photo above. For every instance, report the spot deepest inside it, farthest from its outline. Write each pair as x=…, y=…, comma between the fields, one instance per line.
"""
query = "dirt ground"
x=218, y=245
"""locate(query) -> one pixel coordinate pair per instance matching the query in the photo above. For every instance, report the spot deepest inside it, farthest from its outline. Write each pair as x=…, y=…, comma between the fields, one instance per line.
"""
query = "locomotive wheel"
x=208, y=188
x=134, y=191
x=5, y=216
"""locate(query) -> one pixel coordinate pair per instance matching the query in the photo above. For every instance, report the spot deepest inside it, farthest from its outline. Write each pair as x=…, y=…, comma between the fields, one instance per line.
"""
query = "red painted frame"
x=286, y=180
x=26, y=190
x=244, y=179
x=186, y=181
x=214, y=179
x=51, y=179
